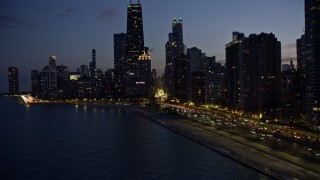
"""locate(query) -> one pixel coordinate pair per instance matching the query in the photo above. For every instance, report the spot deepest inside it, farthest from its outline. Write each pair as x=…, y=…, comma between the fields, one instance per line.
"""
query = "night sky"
x=33, y=30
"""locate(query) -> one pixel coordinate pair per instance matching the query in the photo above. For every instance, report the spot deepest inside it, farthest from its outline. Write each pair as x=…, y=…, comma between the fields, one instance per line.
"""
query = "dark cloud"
x=106, y=14
x=13, y=22
x=67, y=12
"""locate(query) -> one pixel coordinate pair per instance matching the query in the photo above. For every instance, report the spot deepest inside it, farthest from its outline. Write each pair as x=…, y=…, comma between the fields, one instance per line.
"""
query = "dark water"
x=66, y=142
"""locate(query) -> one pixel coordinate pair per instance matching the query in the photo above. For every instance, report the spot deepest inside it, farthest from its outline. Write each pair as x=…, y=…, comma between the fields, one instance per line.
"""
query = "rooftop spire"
x=174, y=21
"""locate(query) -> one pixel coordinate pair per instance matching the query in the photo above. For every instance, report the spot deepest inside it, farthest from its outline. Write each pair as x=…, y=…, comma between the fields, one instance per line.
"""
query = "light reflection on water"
x=70, y=142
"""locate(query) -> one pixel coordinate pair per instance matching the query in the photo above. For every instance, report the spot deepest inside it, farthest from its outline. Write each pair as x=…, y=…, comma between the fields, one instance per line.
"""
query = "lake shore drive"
x=277, y=164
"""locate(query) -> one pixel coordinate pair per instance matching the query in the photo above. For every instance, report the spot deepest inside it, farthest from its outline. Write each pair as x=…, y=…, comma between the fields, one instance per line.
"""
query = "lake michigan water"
x=58, y=141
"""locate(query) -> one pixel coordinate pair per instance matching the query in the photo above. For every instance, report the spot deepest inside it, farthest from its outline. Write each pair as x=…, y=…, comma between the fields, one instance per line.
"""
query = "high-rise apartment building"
x=302, y=73
x=261, y=70
x=194, y=56
x=312, y=40
x=214, y=80
x=182, y=70
x=84, y=70
x=13, y=75
x=119, y=51
x=198, y=87
x=301, y=54
x=93, y=64
x=234, y=70
x=48, y=80
x=109, y=82
x=253, y=67
x=35, y=88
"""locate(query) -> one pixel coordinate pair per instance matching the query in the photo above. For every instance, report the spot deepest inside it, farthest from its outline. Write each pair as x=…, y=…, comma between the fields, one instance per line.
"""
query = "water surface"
x=68, y=142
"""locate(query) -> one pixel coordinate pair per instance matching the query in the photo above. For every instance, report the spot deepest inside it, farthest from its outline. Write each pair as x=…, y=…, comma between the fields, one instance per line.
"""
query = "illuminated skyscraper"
x=133, y=80
x=13, y=75
x=174, y=47
x=177, y=32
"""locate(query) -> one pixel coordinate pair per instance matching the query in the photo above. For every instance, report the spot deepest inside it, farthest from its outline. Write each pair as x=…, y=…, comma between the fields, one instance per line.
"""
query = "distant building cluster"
x=191, y=76
x=253, y=79
x=57, y=82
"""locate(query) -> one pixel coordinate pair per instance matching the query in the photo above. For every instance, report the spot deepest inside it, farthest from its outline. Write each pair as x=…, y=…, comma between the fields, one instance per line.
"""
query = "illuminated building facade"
x=134, y=49
x=145, y=74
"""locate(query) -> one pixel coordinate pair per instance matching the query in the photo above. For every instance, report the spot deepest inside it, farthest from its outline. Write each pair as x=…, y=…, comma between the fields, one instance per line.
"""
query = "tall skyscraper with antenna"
x=134, y=49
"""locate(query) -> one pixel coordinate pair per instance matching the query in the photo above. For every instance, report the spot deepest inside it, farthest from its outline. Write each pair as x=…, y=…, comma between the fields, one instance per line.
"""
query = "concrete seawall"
x=277, y=164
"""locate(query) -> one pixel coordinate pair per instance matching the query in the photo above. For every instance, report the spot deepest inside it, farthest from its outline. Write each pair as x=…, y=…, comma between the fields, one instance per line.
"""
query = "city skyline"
x=70, y=30
x=98, y=106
